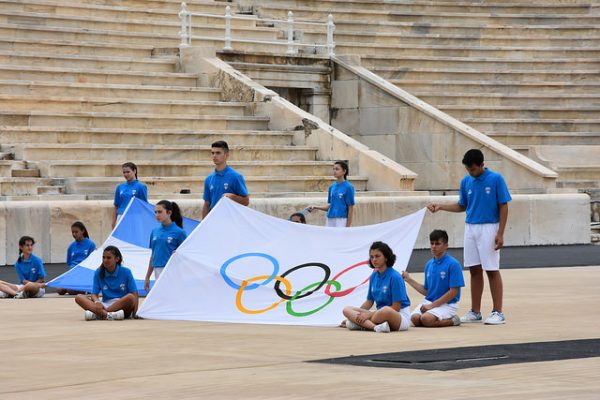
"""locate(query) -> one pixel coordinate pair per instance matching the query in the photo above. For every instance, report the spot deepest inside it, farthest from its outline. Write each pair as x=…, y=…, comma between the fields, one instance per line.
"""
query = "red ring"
x=349, y=290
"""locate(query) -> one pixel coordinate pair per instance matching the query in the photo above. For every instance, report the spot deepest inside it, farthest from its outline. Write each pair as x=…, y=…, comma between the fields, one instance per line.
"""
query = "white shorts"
x=405, y=318
x=445, y=311
x=40, y=293
x=480, y=240
x=336, y=222
x=157, y=272
x=109, y=303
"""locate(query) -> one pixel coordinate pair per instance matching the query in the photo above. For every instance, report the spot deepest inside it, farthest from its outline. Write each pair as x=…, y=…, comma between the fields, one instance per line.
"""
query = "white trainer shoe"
x=352, y=326
x=90, y=316
x=456, y=320
x=384, y=327
x=19, y=295
x=495, y=318
x=3, y=295
x=471, y=317
x=116, y=315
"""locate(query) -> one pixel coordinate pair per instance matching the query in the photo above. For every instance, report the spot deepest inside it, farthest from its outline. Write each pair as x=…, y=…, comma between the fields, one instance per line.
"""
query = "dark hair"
x=344, y=166
x=388, y=254
x=438, y=234
x=115, y=252
x=473, y=157
x=175, y=211
x=22, y=241
x=131, y=166
x=299, y=215
x=221, y=144
x=81, y=226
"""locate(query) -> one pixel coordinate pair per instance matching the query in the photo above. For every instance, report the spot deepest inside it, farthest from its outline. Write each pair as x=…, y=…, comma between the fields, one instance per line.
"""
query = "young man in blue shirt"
x=443, y=280
x=484, y=196
x=224, y=181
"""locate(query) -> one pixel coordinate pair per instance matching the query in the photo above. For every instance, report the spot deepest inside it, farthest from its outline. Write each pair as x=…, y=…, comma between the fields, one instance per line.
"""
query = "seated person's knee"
x=428, y=319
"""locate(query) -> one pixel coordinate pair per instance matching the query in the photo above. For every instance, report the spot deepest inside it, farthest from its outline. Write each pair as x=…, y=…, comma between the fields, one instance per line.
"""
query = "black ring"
x=289, y=271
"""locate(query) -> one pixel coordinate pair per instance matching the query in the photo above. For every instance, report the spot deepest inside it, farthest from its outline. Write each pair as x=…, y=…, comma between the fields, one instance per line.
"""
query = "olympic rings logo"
x=287, y=296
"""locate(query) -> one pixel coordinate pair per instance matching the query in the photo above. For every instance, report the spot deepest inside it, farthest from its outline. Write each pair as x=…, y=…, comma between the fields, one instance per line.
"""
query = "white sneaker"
x=116, y=315
x=90, y=316
x=352, y=326
x=471, y=317
x=19, y=295
x=384, y=327
x=495, y=318
x=455, y=320
x=3, y=295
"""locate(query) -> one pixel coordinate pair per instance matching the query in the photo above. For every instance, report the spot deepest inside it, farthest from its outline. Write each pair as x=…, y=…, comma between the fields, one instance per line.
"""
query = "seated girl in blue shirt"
x=118, y=288
x=165, y=238
x=31, y=273
x=78, y=251
x=387, y=291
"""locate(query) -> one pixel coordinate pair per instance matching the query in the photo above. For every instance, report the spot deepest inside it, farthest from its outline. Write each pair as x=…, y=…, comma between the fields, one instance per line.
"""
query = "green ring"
x=288, y=304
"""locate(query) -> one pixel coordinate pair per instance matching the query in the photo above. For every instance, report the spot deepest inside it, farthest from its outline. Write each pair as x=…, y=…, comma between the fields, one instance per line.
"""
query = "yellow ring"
x=238, y=297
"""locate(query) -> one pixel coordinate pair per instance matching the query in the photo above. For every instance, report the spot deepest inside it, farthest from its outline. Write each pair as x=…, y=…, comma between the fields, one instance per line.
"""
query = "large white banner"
x=240, y=265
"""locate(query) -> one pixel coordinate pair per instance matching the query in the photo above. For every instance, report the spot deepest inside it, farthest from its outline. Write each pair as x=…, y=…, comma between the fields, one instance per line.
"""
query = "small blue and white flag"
x=132, y=237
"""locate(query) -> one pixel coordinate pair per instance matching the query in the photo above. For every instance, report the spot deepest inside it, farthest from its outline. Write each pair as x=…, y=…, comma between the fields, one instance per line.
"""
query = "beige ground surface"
x=47, y=351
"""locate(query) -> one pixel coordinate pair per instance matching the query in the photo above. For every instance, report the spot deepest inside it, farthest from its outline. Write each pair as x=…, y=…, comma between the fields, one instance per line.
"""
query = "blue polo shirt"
x=220, y=182
x=164, y=240
x=441, y=275
x=126, y=190
x=387, y=288
x=115, y=285
x=79, y=251
x=482, y=197
x=340, y=196
x=31, y=269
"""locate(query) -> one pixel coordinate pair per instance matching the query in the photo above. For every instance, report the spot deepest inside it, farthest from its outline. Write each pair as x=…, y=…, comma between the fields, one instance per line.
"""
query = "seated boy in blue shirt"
x=443, y=280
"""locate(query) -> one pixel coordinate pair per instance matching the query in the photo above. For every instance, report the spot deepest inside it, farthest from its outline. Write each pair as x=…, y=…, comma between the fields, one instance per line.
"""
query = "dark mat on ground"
x=476, y=356
x=511, y=257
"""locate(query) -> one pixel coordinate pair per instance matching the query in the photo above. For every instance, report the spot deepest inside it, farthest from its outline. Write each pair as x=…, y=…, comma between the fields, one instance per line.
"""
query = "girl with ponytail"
x=165, y=238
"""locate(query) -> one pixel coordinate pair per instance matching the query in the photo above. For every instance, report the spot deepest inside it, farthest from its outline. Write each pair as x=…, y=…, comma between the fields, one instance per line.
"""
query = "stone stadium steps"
x=504, y=99
x=128, y=106
x=114, y=91
x=544, y=113
x=118, y=152
x=284, y=75
x=167, y=186
x=521, y=7
x=167, y=136
x=169, y=168
x=534, y=125
x=546, y=138
x=479, y=86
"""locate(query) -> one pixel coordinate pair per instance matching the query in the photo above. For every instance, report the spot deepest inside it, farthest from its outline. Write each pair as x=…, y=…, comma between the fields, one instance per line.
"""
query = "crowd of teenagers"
x=483, y=196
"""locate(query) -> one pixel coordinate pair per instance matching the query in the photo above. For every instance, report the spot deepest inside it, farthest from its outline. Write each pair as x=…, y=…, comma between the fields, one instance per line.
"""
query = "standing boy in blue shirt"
x=484, y=196
x=443, y=280
x=224, y=181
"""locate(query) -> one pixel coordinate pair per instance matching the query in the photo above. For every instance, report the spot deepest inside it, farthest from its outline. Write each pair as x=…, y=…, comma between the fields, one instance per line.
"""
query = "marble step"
x=118, y=153
x=114, y=91
x=160, y=64
x=297, y=76
x=88, y=168
x=477, y=86
x=195, y=184
x=129, y=106
x=487, y=125
x=168, y=136
x=510, y=99
x=64, y=47
x=546, y=113
x=127, y=121
x=27, y=186
x=392, y=74
x=546, y=138
x=564, y=156
x=586, y=176
x=77, y=75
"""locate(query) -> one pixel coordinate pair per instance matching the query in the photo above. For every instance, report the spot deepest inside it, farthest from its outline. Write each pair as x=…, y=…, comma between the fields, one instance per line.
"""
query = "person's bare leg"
x=476, y=287
x=387, y=314
x=87, y=304
x=416, y=320
x=497, y=289
x=351, y=313
x=125, y=303
x=8, y=288
x=431, y=321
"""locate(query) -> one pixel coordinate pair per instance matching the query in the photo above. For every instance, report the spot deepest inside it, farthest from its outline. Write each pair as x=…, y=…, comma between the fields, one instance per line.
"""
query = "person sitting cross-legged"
x=443, y=280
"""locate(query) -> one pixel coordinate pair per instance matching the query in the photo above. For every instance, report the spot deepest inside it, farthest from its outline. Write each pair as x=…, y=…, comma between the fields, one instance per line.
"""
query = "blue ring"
x=254, y=285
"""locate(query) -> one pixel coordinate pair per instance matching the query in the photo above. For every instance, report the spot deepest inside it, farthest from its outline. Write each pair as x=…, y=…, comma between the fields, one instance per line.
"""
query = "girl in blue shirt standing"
x=128, y=189
x=340, y=198
x=31, y=273
x=118, y=288
x=387, y=291
x=78, y=251
x=165, y=238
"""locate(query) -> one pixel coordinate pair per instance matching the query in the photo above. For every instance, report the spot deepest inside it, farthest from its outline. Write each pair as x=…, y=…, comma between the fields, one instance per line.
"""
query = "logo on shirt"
x=33, y=270
x=225, y=185
x=105, y=287
x=133, y=192
x=384, y=289
x=212, y=187
x=85, y=252
x=443, y=275
x=122, y=286
x=469, y=192
x=169, y=239
x=340, y=195
x=488, y=190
